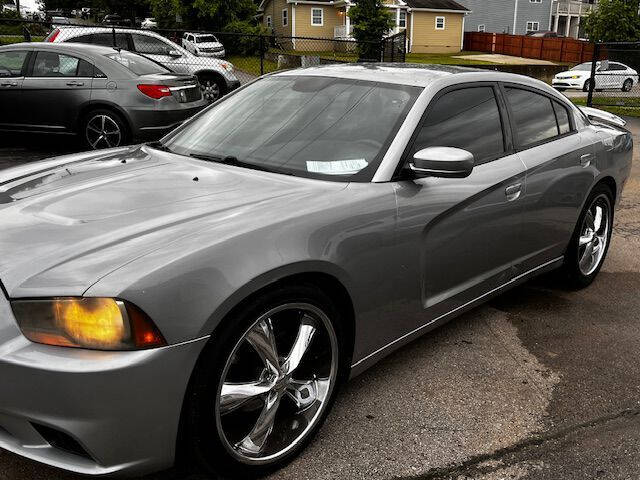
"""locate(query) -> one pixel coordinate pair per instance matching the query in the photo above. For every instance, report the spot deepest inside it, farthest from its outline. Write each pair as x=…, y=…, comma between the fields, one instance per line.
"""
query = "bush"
x=247, y=42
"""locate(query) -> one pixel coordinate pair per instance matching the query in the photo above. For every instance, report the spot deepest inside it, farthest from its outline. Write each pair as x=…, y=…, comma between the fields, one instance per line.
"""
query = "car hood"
x=68, y=222
x=573, y=72
x=209, y=45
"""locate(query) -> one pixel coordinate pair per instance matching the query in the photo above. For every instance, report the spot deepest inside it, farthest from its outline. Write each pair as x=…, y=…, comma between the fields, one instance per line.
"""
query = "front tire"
x=586, y=86
x=212, y=87
x=627, y=85
x=265, y=384
x=591, y=238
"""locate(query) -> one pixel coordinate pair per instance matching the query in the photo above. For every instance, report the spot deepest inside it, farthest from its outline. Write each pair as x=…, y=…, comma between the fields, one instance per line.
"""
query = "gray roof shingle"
x=436, y=4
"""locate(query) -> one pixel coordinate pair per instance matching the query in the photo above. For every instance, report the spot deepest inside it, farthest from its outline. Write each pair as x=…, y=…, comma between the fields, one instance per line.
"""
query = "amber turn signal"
x=94, y=323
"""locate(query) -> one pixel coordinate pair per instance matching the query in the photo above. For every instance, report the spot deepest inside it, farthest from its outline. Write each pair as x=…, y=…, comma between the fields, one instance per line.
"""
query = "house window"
x=440, y=23
x=533, y=26
x=317, y=17
x=269, y=22
x=481, y=28
x=285, y=17
x=402, y=19
x=535, y=1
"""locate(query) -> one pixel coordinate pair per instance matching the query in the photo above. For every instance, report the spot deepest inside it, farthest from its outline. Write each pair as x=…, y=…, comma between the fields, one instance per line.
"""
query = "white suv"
x=203, y=44
x=216, y=76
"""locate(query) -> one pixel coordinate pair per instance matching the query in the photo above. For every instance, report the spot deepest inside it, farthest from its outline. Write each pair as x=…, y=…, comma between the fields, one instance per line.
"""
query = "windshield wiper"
x=231, y=160
x=158, y=145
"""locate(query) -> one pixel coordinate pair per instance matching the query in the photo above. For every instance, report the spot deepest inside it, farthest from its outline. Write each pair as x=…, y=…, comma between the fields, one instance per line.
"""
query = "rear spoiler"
x=600, y=116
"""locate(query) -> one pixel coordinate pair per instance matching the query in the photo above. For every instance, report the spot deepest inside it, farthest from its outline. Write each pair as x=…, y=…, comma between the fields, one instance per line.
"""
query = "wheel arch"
x=98, y=105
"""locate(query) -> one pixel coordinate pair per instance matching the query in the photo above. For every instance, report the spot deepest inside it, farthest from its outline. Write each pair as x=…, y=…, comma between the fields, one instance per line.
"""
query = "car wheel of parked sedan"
x=586, y=85
x=627, y=85
x=265, y=383
x=211, y=88
x=591, y=239
x=103, y=129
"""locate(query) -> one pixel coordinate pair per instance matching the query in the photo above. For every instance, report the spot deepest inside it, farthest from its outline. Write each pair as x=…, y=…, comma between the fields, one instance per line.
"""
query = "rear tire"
x=591, y=239
x=585, y=87
x=220, y=432
x=627, y=85
x=103, y=128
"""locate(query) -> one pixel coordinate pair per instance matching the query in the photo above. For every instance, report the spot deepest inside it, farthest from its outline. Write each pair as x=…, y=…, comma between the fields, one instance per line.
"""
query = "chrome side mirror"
x=446, y=162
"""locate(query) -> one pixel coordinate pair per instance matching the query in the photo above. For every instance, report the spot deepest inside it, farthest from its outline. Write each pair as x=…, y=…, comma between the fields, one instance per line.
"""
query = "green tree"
x=371, y=22
x=614, y=21
x=203, y=14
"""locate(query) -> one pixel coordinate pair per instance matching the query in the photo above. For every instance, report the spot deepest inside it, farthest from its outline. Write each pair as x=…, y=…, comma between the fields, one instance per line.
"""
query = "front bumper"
x=121, y=408
x=219, y=54
x=567, y=83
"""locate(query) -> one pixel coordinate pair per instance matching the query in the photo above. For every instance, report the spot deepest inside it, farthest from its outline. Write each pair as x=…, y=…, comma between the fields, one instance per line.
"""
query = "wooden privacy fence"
x=553, y=49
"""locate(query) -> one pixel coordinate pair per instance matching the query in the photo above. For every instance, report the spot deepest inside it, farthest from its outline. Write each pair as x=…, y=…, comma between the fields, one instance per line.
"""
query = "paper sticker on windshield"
x=338, y=167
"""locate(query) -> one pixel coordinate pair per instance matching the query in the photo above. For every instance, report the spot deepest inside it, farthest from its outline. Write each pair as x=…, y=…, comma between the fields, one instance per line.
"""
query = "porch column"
x=555, y=23
x=347, y=20
x=397, y=21
x=567, y=26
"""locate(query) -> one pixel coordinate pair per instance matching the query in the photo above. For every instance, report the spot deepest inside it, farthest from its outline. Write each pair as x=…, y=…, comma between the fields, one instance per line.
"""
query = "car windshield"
x=583, y=66
x=321, y=127
x=137, y=63
x=206, y=39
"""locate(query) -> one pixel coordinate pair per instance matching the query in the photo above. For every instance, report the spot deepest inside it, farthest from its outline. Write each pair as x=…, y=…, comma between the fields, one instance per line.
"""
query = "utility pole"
x=18, y=8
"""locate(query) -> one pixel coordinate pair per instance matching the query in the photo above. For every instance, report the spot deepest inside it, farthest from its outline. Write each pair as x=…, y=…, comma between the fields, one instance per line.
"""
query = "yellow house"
x=432, y=26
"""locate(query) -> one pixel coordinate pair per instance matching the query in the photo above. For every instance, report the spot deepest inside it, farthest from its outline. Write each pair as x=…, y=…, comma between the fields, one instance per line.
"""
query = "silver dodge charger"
x=210, y=292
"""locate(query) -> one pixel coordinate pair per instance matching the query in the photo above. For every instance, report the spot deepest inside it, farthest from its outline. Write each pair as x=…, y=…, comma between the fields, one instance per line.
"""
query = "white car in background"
x=149, y=23
x=203, y=44
x=609, y=75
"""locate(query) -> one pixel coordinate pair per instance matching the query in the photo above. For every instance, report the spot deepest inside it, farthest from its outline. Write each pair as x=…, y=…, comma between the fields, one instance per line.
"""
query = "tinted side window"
x=11, y=63
x=106, y=39
x=533, y=115
x=85, y=69
x=468, y=118
x=150, y=45
x=562, y=115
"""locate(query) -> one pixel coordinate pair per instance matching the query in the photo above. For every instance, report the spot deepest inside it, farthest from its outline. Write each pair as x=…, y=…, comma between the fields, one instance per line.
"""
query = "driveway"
x=541, y=383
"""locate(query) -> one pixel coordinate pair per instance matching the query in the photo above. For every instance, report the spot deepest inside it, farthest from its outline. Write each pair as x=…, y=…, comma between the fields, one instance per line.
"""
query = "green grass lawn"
x=251, y=64
x=9, y=39
x=629, y=111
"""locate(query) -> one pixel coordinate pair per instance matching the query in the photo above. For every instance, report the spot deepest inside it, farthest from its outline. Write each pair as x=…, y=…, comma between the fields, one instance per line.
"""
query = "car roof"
x=85, y=48
x=413, y=74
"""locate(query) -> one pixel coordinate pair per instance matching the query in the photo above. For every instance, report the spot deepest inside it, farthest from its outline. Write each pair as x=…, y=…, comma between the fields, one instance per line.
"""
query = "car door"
x=161, y=51
x=460, y=236
x=13, y=65
x=55, y=89
x=557, y=160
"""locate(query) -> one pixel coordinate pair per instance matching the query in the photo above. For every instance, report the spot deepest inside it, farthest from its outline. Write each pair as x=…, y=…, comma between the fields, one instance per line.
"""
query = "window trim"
x=285, y=17
x=514, y=130
x=269, y=21
x=321, y=10
x=507, y=138
x=532, y=22
x=444, y=23
x=400, y=13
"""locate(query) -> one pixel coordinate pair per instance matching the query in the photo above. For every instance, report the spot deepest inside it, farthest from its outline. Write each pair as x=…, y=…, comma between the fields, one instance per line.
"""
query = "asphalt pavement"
x=541, y=383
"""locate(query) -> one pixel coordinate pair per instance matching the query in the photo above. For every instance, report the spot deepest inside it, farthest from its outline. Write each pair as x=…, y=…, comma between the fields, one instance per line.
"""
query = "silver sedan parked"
x=214, y=289
x=106, y=96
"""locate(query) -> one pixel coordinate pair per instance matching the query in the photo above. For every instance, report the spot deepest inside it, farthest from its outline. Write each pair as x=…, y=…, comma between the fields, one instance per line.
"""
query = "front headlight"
x=95, y=323
x=574, y=76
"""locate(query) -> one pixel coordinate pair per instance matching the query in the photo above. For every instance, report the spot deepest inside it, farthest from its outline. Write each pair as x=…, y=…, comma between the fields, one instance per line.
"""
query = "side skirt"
x=374, y=357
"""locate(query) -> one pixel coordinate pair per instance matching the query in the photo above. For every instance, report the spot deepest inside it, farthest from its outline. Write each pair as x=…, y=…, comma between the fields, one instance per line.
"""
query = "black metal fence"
x=614, y=75
x=212, y=54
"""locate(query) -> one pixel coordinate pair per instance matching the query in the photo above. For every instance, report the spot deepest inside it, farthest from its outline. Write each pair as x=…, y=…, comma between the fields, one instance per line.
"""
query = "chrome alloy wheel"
x=267, y=402
x=210, y=90
x=103, y=132
x=594, y=235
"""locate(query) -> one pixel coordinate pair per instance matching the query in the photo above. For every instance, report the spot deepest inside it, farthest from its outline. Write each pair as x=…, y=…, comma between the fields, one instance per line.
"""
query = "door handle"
x=75, y=84
x=585, y=160
x=513, y=192
x=9, y=84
